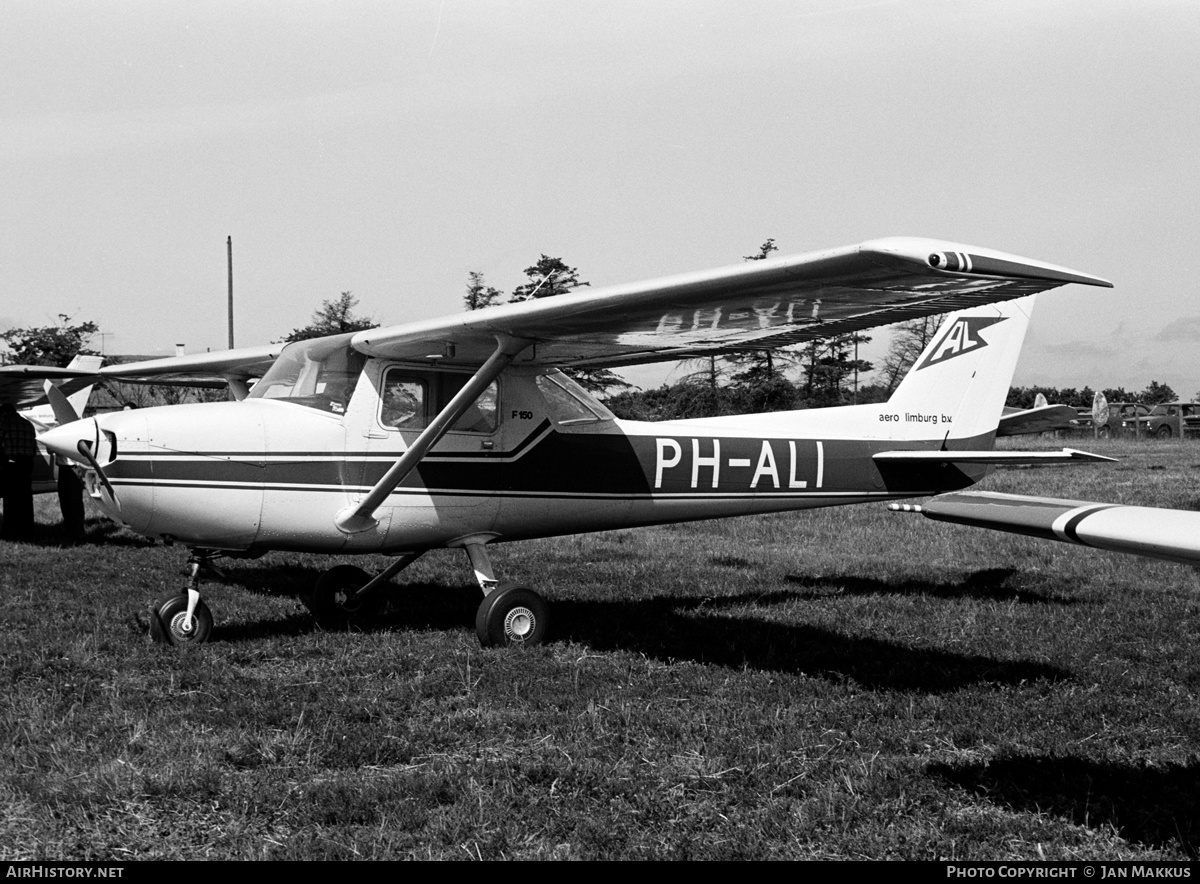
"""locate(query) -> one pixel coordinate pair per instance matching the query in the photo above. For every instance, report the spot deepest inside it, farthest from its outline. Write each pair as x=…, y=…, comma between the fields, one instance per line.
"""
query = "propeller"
x=87, y=451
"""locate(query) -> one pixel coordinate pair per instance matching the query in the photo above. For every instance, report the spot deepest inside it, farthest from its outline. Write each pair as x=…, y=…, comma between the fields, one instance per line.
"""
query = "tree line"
x=1154, y=394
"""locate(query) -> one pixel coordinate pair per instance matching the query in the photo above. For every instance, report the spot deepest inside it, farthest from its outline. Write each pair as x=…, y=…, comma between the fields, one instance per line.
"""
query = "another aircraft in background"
x=34, y=390
x=464, y=431
x=1042, y=418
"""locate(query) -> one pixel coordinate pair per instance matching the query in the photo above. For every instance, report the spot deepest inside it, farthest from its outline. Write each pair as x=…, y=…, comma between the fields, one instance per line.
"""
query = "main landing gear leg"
x=344, y=593
x=510, y=614
x=184, y=619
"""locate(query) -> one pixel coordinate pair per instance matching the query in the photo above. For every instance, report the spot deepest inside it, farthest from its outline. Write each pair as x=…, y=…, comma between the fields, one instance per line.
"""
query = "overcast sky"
x=390, y=148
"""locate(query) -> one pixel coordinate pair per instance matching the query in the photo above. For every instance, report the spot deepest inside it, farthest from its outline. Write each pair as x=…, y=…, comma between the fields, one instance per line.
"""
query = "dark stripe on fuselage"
x=553, y=463
x=437, y=493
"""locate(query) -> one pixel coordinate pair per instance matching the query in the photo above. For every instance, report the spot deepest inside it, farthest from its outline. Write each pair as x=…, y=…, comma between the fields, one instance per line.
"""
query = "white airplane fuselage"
x=263, y=474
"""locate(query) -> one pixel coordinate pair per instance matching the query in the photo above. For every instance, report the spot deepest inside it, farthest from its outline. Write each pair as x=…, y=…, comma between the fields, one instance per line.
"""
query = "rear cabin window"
x=568, y=403
x=411, y=399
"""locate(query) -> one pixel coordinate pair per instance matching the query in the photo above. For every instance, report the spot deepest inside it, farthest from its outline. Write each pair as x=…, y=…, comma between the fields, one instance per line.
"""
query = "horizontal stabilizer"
x=1067, y=455
x=1173, y=535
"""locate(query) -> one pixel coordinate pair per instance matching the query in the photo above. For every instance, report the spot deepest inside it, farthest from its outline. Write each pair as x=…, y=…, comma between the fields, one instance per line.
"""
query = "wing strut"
x=361, y=516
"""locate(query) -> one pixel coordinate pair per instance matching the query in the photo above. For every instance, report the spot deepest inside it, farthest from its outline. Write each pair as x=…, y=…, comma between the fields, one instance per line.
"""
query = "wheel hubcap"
x=519, y=624
x=181, y=627
x=344, y=599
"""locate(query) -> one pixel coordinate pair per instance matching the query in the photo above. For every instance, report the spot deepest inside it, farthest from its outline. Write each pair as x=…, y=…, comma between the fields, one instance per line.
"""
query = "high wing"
x=757, y=305
x=1021, y=422
x=1145, y=531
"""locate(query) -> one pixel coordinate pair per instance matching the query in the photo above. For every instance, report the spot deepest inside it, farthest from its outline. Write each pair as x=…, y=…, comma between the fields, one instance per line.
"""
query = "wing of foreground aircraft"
x=757, y=305
x=461, y=431
x=1173, y=535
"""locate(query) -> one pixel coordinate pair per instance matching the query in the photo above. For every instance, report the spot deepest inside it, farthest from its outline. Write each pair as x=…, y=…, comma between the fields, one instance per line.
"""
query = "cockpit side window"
x=320, y=373
x=569, y=404
x=411, y=398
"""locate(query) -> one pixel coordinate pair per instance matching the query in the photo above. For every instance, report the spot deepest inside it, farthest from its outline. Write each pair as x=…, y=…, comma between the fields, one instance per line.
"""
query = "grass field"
x=848, y=683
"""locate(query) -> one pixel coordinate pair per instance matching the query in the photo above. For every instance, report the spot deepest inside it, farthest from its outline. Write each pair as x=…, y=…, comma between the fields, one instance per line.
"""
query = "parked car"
x=1121, y=417
x=1166, y=420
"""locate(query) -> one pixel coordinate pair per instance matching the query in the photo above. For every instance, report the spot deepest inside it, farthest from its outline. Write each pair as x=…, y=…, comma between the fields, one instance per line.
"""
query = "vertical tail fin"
x=79, y=399
x=67, y=398
x=964, y=374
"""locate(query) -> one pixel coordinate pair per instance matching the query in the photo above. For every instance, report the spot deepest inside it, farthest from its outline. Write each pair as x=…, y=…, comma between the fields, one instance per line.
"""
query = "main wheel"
x=1164, y=432
x=168, y=624
x=512, y=615
x=1104, y=432
x=332, y=600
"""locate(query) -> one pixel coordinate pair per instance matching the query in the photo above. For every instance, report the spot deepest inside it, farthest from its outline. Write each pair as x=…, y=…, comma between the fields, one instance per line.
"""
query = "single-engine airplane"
x=465, y=431
x=1042, y=418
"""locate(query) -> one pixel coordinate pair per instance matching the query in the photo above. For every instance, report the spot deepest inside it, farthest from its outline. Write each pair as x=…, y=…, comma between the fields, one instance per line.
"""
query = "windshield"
x=320, y=373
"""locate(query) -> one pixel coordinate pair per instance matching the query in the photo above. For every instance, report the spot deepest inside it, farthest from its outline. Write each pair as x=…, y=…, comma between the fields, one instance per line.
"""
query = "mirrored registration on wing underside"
x=831, y=312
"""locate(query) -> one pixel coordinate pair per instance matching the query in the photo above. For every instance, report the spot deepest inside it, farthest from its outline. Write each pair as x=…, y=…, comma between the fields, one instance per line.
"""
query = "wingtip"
x=976, y=260
x=1076, y=454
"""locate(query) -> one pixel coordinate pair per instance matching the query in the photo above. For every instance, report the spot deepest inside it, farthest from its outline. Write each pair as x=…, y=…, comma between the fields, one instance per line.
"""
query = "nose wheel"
x=170, y=623
x=184, y=619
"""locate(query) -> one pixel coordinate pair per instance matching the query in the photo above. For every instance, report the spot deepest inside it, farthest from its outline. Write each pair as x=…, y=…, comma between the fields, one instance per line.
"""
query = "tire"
x=329, y=599
x=512, y=616
x=167, y=623
x=1164, y=432
x=1104, y=432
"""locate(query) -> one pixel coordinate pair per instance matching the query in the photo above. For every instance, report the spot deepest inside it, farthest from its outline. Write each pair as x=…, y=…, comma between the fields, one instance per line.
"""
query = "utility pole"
x=229, y=244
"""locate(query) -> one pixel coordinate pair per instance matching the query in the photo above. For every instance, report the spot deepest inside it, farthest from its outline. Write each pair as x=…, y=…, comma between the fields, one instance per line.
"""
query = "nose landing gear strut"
x=184, y=619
